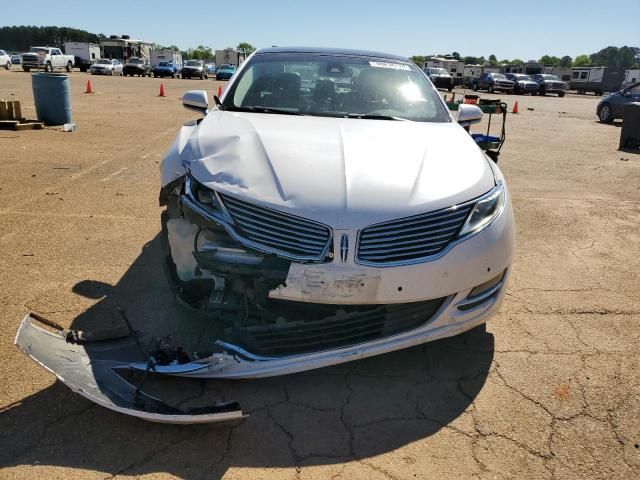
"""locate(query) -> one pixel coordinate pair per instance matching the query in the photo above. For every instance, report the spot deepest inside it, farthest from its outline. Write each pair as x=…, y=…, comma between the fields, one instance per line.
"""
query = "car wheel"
x=561, y=94
x=490, y=89
x=542, y=92
x=48, y=67
x=605, y=114
x=8, y=66
x=26, y=69
x=474, y=87
x=69, y=67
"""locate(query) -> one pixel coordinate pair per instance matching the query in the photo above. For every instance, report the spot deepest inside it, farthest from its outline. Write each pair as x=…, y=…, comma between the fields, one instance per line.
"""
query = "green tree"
x=566, y=61
x=201, y=52
x=246, y=48
x=516, y=61
x=582, y=61
x=549, y=60
x=471, y=60
x=455, y=55
x=418, y=60
x=493, y=60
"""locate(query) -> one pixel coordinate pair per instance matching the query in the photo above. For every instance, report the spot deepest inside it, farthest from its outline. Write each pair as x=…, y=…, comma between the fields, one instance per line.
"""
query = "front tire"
x=48, y=67
x=8, y=66
x=561, y=94
x=26, y=69
x=69, y=67
x=474, y=87
x=605, y=114
x=490, y=89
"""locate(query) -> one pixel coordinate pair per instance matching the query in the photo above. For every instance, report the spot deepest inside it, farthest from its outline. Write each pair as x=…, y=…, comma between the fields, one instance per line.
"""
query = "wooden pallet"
x=22, y=124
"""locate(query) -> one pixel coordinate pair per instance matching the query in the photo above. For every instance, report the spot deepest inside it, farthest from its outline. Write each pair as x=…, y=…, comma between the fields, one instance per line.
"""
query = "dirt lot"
x=551, y=391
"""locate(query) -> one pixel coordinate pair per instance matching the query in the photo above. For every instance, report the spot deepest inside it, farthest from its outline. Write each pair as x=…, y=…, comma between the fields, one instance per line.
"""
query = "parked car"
x=194, y=68
x=611, y=107
x=440, y=77
x=523, y=83
x=549, y=84
x=105, y=66
x=493, y=82
x=5, y=60
x=137, y=66
x=47, y=58
x=16, y=60
x=165, y=69
x=225, y=72
x=211, y=69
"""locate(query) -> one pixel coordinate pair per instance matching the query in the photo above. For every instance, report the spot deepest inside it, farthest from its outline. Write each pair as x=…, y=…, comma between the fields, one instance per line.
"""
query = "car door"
x=57, y=59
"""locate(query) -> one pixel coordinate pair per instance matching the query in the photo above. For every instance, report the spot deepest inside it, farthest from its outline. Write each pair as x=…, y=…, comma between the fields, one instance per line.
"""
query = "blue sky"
x=405, y=27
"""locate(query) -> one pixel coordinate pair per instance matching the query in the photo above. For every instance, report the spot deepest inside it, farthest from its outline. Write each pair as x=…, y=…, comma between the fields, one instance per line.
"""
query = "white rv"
x=451, y=65
x=86, y=53
x=163, y=55
x=470, y=72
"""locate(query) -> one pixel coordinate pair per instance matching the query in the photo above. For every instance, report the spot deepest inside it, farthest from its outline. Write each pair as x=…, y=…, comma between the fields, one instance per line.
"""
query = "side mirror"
x=196, y=100
x=469, y=114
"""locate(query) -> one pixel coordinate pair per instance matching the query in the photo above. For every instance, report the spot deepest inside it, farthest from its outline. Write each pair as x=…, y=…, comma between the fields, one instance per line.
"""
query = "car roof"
x=332, y=51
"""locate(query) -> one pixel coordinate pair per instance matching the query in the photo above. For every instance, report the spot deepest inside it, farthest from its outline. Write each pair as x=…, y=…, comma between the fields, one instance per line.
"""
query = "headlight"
x=205, y=197
x=484, y=212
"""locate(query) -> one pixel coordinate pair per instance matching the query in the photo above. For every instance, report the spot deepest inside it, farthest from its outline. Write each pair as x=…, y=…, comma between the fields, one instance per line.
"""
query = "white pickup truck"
x=47, y=58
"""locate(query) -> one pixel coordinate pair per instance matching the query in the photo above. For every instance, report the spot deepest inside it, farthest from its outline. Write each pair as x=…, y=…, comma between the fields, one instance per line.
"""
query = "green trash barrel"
x=52, y=96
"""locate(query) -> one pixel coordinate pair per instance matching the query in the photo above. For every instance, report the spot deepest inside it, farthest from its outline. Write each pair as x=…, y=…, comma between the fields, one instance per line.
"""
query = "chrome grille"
x=295, y=237
x=410, y=239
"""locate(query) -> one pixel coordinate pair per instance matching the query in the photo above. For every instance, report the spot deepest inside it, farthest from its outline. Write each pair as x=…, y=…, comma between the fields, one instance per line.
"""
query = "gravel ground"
x=550, y=391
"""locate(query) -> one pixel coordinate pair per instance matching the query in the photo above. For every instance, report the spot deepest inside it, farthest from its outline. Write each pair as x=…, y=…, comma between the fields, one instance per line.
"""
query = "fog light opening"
x=483, y=292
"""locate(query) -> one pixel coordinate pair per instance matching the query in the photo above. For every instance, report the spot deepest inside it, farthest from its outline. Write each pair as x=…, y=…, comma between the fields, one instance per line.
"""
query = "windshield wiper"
x=367, y=116
x=260, y=110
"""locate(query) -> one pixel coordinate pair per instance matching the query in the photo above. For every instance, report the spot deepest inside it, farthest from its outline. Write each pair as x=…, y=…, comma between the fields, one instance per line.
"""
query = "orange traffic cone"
x=161, y=90
x=88, y=87
x=219, y=91
x=515, y=108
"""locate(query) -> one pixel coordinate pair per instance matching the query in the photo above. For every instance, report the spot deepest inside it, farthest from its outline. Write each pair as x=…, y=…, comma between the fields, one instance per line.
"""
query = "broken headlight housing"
x=205, y=197
x=485, y=211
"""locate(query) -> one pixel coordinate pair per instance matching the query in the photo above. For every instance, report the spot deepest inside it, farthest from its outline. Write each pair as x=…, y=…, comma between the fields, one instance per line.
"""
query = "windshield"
x=549, y=77
x=136, y=61
x=104, y=61
x=38, y=50
x=498, y=76
x=164, y=64
x=337, y=86
x=522, y=77
x=193, y=63
x=439, y=71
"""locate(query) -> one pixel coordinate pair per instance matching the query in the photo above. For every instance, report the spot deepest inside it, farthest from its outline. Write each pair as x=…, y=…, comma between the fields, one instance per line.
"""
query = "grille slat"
x=412, y=238
x=287, y=234
x=297, y=222
x=273, y=227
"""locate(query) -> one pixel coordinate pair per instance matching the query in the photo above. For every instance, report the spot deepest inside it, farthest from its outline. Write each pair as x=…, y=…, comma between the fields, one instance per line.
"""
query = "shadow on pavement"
x=332, y=415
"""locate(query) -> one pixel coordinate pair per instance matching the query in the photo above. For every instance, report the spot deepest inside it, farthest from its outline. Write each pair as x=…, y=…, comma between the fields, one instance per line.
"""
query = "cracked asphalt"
x=550, y=391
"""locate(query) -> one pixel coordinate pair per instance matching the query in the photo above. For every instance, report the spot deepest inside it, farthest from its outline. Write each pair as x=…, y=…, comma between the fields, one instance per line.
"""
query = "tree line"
x=625, y=57
x=20, y=38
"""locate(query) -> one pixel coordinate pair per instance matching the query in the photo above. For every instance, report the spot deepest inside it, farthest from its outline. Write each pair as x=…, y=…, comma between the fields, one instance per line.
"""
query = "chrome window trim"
x=443, y=252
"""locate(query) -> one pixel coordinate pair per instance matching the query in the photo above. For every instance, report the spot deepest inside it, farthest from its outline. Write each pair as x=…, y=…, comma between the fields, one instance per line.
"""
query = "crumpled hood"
x=346, y=173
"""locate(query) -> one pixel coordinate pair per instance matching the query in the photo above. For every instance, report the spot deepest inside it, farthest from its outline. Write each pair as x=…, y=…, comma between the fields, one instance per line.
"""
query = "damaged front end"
x=228, y=258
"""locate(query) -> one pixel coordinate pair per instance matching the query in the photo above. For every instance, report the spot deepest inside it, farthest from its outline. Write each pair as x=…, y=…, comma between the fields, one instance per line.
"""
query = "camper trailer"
x=563, y=73
x=451, y=65
x=631, y=77
x=124, y=47
x=86, y=53
x=470, y=72
x=172, y=56
x=597, y=79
